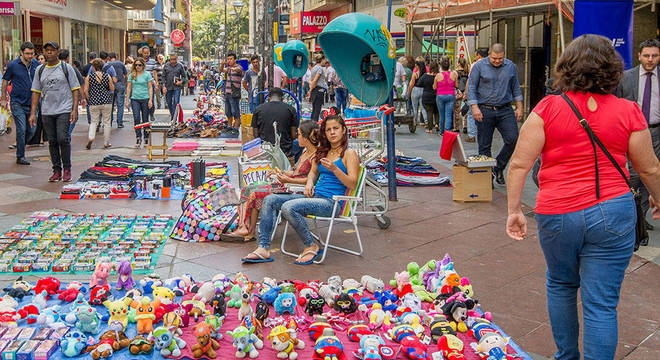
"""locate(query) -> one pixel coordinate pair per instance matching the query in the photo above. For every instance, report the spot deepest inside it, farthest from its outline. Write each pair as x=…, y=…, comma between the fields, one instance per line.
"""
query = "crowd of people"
x=44, y=92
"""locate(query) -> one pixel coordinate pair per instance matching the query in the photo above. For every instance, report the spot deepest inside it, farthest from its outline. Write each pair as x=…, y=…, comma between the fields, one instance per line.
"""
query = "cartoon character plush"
x=141, y=346
x=144, y=314
x=206, y=344
x=40, y=299
x=234, y=297
x=377, y=316
x=451, y=347
x=101, y=273
x=101, y=350
x=19, y=289
x=261, y=311
x=492, y=346
x=402, y=283
x=271, y=294
x=181, y=311
x=150, y=282
x=411, y=345
x=205, y=292
x=100, y=294
x=71, y=315
x=118, y=310
x=87, y=319
x=412, y=301
x=173, y=320
x=372, y=347
x=315, y=305
x=50, y=317
x=167, y=342
x=50, y=284
x=74, y=343
x=164, y=295
x=246, y=298
x=285, y=302
x=219, y=304
x=70, y=293
x=215, y=322
x=118, y=337
x=285, y=341
x=246, y=342
x=345, y=304
x=387, y=299
x=466, y=287
x=372, y=284
x=328, y=346
x=407, y=316
x=195, y=308
x=305, y=291
x=450, y=281
x=456, y=312
x=330, y=290
x=125, y=280
x=440, y=326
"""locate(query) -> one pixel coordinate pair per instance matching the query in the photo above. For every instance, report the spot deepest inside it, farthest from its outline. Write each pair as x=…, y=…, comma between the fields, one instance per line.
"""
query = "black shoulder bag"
x=641, y=234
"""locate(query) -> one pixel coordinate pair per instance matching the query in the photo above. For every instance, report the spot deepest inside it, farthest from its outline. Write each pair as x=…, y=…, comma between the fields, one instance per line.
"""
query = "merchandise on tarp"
x=207, y=212
x=48, y=242
x=399, y=326
x=410, y=171
x=207, y=121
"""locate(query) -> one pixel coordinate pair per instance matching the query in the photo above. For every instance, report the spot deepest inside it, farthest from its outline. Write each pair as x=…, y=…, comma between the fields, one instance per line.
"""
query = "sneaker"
x=138, y=143
x=66, y=175
x=57, y=176
x=120, y=126
x=22, y=161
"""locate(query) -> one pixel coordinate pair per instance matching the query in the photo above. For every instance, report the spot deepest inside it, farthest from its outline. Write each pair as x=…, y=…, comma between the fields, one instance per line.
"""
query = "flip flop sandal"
x=260, y=259
x=317, y=255
x=254, y=238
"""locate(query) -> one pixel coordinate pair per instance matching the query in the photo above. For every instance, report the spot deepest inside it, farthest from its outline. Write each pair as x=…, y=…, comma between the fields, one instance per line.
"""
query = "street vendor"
x=275, y=114
x=252, y=195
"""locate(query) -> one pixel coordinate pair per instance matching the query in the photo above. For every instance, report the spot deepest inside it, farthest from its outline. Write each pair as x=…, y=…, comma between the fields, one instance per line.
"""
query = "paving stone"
x=12, y=176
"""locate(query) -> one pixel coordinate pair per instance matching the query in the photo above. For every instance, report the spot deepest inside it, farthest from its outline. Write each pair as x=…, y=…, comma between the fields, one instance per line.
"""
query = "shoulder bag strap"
x=595, y=141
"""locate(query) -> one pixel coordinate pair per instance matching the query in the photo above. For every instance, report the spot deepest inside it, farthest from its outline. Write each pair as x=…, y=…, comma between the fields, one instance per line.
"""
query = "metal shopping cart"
x=366, y=135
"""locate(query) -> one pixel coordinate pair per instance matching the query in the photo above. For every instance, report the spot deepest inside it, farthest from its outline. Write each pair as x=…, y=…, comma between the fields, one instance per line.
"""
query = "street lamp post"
x=238, y=4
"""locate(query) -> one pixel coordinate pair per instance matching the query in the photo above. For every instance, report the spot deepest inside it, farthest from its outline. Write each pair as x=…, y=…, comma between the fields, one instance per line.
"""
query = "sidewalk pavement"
x=507, y=276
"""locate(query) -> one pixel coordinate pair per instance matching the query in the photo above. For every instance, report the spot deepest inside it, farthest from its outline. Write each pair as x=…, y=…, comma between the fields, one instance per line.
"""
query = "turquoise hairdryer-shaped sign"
x=362, y=51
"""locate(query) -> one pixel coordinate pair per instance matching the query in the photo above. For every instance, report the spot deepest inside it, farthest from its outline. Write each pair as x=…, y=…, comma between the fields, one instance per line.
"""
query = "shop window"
x=92, y=35
x=78, y=42
x=10, y=38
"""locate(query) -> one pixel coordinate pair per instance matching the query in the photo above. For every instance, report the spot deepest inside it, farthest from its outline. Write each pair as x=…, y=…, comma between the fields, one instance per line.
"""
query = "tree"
x=207, y=22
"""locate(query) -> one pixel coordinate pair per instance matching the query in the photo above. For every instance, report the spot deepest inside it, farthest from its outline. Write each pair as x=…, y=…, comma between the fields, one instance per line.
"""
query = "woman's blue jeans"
x=295, y=207
x=446, y=111
x=140, y=109
x=588, y=250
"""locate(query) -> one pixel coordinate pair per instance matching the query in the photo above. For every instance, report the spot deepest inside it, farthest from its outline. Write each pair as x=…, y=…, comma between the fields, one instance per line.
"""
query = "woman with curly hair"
x=585, y=211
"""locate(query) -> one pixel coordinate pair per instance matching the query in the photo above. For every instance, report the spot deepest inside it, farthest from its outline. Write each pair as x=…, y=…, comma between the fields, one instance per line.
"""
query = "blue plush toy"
x=285, y=302
x=73, y=343
x=270, y=295
x=387, y=299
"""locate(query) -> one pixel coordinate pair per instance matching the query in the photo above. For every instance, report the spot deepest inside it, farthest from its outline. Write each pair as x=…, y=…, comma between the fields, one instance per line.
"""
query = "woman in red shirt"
x=586, y=233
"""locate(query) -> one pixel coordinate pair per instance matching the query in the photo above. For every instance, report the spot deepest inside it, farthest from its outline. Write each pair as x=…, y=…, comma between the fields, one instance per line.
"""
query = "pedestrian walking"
x=641, y=85
x=119, y=93
x=19, y=75
x=318, y=86
x=160, y=86
x=415, y=91
x=427, y=81
x=251, y=78
x=64, y=56
x=492, y=86
x=98, y=91
x=140, y=96
x=151, y=67
x=341, y=92
x=56, y=83
x=445, y=86
x=234, y=73
x=585, y=215
x=174, y=77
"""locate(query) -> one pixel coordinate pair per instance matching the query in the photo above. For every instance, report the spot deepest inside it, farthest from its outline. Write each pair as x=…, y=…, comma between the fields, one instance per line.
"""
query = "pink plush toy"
x=100, y=275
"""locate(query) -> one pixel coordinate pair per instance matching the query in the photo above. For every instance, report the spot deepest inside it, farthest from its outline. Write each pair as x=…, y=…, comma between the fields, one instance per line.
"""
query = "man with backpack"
x=56, y=84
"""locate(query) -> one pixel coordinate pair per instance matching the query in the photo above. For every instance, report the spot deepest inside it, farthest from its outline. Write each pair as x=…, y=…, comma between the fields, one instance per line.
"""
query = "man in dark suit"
x=641, y=84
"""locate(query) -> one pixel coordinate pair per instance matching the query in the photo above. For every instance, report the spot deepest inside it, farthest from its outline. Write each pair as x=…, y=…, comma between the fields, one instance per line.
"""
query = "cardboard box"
x=472, y=184
x=246, y=128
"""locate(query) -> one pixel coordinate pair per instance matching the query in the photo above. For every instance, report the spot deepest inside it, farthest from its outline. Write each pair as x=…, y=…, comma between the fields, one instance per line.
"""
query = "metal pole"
x=444, y=28
x=561, y=27
x=506, y=37
x=477, y=30
x=391, y=159
x=302, y=16
x=526, y=96
x=224, y=46
x=490, y=24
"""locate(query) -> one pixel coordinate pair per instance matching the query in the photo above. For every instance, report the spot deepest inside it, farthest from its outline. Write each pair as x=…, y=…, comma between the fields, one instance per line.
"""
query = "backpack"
x=65, y=70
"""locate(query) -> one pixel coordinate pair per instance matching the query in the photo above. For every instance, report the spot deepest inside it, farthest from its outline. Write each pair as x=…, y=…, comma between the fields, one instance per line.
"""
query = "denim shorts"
x=232, y=107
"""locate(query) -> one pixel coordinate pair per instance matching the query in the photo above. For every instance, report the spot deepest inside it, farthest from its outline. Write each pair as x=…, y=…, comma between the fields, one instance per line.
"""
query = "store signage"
x=141, y=24
x=55, y=3
x=9, y=8
x=312, y=22
x=177, y=36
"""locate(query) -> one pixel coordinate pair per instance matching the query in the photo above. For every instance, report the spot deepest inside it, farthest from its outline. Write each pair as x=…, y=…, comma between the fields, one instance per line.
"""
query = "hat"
x=53, y=44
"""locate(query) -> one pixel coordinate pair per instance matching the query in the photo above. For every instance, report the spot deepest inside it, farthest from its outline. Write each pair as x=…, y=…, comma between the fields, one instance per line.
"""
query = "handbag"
x=641, y=234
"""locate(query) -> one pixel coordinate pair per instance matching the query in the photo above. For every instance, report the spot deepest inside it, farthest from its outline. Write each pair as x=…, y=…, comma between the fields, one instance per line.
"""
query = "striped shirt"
x=234, y=77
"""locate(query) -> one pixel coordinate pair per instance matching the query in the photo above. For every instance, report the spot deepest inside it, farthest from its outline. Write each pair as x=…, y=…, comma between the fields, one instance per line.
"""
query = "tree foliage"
x=208, y=18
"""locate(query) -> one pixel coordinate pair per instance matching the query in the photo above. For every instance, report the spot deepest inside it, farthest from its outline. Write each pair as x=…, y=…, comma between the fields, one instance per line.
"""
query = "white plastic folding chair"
x=347, y=215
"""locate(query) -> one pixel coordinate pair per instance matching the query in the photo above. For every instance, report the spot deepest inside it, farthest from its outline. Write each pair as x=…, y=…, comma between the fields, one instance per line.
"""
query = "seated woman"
x=252, y=195
x=337, y=169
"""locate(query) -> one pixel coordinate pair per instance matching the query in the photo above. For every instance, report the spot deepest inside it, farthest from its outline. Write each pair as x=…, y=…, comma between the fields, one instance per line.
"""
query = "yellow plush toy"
x=165, y=295
x=118, y=310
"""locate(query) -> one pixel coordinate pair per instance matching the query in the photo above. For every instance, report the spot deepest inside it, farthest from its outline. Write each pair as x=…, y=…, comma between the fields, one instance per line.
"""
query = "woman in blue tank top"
x=337, y=168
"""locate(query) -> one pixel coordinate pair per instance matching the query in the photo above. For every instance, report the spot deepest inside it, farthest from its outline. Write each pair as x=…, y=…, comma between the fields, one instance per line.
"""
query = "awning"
x=133, y=4
x=427, y=47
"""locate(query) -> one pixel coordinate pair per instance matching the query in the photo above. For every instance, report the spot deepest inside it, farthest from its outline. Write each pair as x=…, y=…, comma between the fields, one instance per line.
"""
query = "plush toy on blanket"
x=125, y=280
x=101, y=273
x=71, y=292
x=19, y=289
